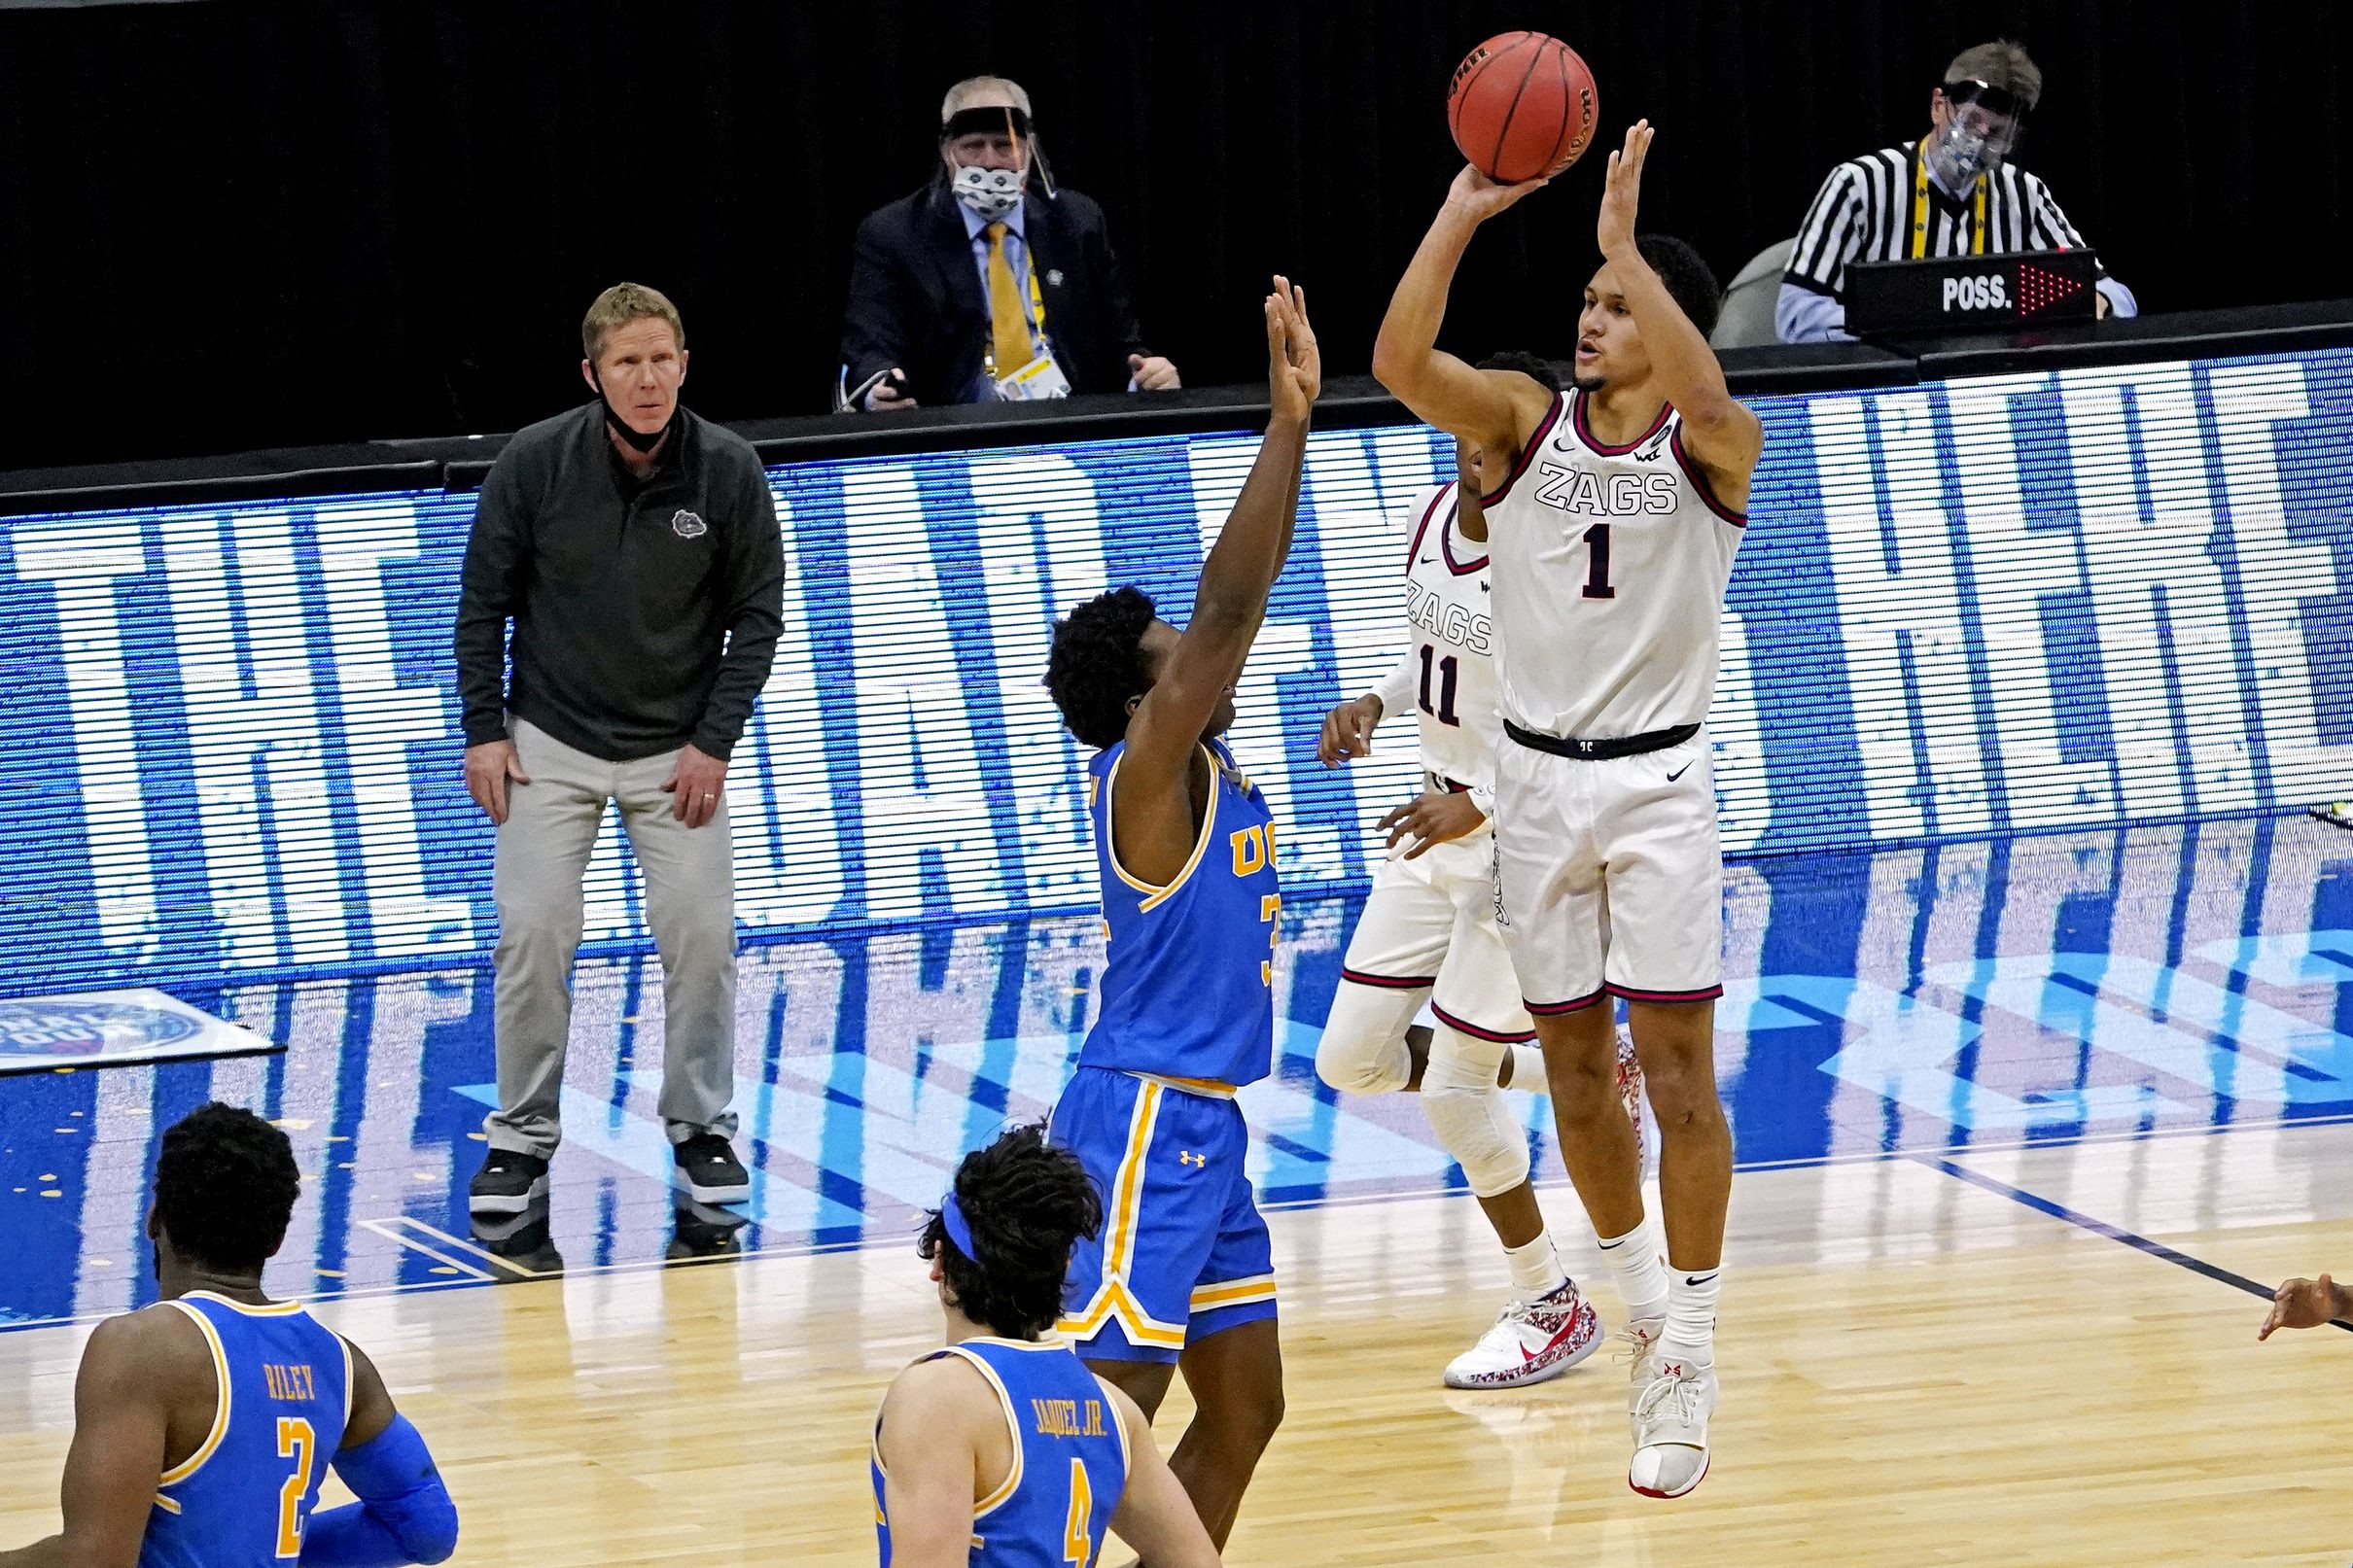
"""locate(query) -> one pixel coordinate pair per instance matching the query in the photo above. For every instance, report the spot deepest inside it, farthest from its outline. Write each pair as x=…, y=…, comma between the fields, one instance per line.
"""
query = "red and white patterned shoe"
x=1631, y=1096
x=1529, y=1341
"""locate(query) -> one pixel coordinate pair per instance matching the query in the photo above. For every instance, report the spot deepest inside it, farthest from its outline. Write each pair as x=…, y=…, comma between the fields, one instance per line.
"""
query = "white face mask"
x=990, y=193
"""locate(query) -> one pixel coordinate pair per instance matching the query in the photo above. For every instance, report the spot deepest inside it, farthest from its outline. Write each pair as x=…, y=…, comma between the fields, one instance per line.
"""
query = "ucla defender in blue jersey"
x=203, y=1424
x=1002, y=1450
x=1181, y=1276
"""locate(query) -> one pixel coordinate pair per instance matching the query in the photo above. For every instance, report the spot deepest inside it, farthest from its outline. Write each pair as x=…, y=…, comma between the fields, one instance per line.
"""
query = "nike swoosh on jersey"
x=1679, y=772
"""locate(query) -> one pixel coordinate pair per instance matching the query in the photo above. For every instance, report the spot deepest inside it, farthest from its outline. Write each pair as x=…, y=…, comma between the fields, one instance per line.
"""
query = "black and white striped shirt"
x=1862, y=212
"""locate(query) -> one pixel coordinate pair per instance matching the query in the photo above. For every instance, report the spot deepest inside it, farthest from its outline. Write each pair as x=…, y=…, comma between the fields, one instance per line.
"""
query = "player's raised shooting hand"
x=1294, y=362
x=1623, y=193
x=2303, y=1304
x=1477, y=197
x=1436, y=818
x=1348, y=731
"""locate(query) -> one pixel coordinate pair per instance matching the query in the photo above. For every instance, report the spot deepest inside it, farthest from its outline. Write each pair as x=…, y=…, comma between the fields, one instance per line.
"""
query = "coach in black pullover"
x=623, y=591
x=635, y=549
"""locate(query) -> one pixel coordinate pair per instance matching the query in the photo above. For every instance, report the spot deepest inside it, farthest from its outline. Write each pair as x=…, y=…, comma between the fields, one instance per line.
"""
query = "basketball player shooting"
x=1612, y=539
x=1183, y=1276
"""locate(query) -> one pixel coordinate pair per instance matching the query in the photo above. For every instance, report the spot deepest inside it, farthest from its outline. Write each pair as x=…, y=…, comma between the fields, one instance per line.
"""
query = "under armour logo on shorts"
x=1186, y=1157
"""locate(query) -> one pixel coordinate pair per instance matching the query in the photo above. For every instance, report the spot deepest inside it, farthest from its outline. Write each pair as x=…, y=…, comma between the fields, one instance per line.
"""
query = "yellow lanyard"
x=1919, y=207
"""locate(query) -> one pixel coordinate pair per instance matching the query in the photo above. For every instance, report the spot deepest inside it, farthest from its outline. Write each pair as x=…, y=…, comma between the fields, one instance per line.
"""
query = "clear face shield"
x=1983, y=126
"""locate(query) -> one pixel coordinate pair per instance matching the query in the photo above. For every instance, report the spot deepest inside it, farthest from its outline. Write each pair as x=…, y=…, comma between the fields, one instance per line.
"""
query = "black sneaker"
x=521, y=1240
x=705, y=1231
x=508, y=1180
x=708, y=1171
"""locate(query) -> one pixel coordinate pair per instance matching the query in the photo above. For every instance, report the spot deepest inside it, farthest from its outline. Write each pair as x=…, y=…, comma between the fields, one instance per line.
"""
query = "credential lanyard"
x=1919, y=208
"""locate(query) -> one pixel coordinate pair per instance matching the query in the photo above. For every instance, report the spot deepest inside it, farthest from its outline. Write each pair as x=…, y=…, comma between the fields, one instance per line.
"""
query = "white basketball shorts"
x=1609, y=875
x=1431, y=922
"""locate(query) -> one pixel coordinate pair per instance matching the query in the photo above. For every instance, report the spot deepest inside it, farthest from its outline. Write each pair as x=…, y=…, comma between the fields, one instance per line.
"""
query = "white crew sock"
x=1527, y=1068
x=1691, y=1316
x=1535, y=1266
x=1641, y=1272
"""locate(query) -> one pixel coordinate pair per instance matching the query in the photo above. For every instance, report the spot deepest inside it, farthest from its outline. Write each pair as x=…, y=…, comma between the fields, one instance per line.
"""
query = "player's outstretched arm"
x=927, y=1442
x=403, y=1514
x=1241, y=566
x=1155, y=1514
x=120, y=1420
x=2306, y=1304
x=1719, y=432
x=1497, y=409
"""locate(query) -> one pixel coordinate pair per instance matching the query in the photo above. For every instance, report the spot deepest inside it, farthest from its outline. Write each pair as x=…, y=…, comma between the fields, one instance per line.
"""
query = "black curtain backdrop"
x=232, y=226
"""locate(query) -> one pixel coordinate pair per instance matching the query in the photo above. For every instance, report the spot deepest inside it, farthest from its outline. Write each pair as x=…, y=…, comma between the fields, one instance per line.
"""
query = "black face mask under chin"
x=638, y=440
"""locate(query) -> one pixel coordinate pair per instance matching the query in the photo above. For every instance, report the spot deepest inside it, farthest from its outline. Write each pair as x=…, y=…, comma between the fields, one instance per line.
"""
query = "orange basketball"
x=1521, y=105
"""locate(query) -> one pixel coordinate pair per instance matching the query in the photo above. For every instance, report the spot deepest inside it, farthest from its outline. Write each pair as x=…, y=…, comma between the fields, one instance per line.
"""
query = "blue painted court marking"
x=2287, y=958
x=1906, y=1049
x=2102, y=1228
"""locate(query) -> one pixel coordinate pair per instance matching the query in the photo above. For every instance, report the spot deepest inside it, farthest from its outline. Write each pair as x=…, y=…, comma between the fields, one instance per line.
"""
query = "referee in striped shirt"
x=1952, y=192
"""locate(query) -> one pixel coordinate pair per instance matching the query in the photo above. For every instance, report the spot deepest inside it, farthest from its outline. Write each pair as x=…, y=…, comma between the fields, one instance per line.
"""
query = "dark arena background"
x=2036, y=695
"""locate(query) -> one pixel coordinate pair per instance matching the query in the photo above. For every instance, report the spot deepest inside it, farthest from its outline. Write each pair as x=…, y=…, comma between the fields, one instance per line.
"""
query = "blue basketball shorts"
x=1182, y=1253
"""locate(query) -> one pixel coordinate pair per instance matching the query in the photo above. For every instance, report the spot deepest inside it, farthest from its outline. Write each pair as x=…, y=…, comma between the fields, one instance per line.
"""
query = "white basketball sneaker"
x=1632, y=1093
x=1529, y=1341
x=1671, y=1427
x=1641, y=1338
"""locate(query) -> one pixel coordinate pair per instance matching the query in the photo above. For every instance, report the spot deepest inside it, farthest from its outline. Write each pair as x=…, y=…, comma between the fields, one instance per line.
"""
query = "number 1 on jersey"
x=1596, y=575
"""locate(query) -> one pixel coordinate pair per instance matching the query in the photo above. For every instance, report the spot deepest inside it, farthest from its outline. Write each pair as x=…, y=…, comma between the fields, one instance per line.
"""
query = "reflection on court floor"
x=1970, y=996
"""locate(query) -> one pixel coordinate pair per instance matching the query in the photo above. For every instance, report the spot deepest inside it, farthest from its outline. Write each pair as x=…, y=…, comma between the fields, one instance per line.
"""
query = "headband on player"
x=952, y=1220
x=995, y=120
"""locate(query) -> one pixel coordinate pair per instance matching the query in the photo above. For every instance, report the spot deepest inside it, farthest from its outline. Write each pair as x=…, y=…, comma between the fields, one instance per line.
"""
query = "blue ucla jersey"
x=1188, y=972
x=243, y=1499
x=1069, y=1459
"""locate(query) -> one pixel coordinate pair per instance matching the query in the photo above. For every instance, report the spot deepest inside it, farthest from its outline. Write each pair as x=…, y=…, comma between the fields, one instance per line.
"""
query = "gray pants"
x=543, y=851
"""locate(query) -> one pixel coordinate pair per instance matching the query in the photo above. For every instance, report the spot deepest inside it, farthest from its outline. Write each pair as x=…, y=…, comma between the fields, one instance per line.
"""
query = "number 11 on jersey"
x=1449, y=676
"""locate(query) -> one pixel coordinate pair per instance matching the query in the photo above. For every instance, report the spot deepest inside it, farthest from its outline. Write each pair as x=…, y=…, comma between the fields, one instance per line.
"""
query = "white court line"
x=479, y=1251
x=388, y=1230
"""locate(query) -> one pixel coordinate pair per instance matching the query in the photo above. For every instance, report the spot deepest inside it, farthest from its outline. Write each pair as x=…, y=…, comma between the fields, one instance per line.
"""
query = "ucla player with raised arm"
x=1002, y=1450
x=205, y=1424
x=1183, y=1275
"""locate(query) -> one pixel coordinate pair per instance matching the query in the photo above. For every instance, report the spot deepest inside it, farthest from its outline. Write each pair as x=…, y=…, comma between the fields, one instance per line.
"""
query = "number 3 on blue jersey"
x=1255, y=846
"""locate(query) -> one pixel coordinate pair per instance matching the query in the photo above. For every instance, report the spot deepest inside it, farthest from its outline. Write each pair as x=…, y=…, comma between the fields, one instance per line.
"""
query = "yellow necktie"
x=1008, y=331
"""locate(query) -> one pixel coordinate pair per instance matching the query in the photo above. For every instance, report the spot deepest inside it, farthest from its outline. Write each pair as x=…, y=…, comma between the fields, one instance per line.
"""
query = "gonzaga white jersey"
x=1451, y=660
x=1610, y=566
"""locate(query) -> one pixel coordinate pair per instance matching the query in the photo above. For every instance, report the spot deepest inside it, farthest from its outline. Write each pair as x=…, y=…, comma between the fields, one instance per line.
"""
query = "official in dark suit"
x=986, y=284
